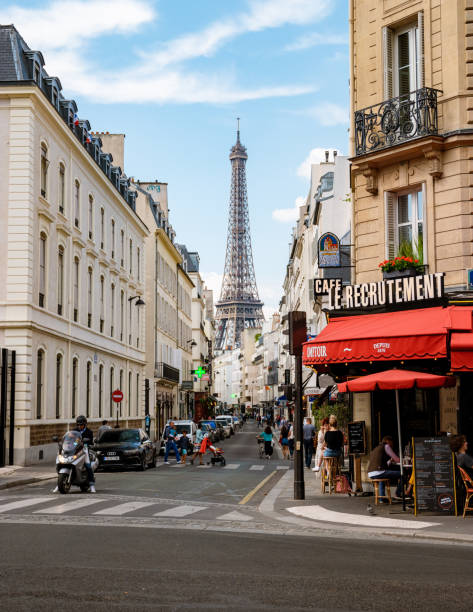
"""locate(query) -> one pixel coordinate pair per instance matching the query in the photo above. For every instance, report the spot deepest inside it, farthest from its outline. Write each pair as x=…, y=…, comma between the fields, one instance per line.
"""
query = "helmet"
x=81, y=420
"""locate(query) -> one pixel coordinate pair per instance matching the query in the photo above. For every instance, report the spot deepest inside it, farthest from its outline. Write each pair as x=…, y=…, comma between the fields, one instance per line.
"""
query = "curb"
x=25, y=481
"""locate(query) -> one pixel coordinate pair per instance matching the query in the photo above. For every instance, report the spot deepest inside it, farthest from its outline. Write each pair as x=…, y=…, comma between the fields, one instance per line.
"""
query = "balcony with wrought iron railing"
x=166, y=372
x=396, y=121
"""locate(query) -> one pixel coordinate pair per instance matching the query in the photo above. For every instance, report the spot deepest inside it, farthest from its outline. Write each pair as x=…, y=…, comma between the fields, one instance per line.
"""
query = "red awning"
x=461, y=354
x=407, y=334
x=396, y=379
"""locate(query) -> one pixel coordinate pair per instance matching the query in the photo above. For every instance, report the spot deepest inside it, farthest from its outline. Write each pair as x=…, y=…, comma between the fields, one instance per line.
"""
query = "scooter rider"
x=87, y=438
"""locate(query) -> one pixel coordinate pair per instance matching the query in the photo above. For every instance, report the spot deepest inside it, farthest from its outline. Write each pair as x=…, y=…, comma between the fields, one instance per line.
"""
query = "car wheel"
x=142, y=466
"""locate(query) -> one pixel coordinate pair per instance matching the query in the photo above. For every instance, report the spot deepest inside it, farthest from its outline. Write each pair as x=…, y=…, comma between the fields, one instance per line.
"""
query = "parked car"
x=125, y=448
x=220, y=430
x=227, y=423
x=187, y=426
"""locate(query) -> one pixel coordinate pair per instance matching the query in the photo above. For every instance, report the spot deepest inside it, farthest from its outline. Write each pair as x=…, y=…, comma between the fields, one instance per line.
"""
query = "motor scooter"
x=70, y=462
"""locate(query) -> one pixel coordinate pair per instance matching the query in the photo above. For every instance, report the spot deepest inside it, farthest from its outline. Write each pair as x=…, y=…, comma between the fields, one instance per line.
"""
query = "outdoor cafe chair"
x=468, y=482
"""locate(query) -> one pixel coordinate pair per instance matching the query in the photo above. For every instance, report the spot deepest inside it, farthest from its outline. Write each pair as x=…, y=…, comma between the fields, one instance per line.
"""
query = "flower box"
x=401, y=273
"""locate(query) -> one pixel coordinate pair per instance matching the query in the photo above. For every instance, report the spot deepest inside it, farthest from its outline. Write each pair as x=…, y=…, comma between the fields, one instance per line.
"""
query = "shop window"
x=405, y=223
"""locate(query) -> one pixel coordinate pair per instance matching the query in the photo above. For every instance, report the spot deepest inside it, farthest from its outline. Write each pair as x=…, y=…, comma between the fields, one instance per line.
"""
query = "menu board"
x=357, y=438
x=434, y=476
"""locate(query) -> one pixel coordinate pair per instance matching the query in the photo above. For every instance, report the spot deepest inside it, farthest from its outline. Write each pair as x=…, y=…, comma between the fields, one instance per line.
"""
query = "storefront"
x=406, y=324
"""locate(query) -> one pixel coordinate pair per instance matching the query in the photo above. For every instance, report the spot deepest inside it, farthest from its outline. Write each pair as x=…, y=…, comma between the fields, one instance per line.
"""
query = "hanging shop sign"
x=390, y=292
x=329, y=251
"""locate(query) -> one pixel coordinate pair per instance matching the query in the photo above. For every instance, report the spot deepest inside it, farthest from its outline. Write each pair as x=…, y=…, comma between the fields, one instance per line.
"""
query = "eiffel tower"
x=239, y=306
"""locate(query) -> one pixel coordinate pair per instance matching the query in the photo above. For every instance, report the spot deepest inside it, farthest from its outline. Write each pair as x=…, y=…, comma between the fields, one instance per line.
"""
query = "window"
x=112, y=309
x=58, y=385
x=76, y=203
x=102, y=228
x=405, y=223
x=74, y=388
x=62, y=188
x=404, y=59
x=138, y=327
x=100, y=389
x=122, y=248
x=44, y=169
x=42, y=269
x=89, y=297
x=131, y=256
x=130, y=320
x=129, y=393
x=113, y=239
x=75, y=296
x=138, y=262
x=112, y=377
x=91, y=217
x=122, y=313
x=102, y=303
x=60, y=280
x=39, y=383
x=137, y=407
x=87, y=389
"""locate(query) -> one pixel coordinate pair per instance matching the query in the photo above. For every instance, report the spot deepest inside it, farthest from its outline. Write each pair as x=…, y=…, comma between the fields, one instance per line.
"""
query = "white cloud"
x=315, y=156
x=213, y=280
x=289, y=215
x=58, y=30
x=316, y=38
x=329, y=114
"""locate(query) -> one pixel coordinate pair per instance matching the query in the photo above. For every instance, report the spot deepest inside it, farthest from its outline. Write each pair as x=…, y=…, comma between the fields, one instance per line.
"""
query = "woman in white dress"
x=320, y=444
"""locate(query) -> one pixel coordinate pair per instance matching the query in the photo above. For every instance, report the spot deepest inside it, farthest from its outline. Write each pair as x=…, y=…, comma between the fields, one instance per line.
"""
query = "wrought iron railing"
x=166, y=372
x=396, y=120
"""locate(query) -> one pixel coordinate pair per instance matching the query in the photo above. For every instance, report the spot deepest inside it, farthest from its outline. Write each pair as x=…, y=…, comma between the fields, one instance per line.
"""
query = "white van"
x=227, y=422
x=187, y=426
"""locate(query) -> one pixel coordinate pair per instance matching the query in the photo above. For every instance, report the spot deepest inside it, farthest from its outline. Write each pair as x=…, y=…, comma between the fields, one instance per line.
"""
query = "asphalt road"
x=58, y=568
x=175, y=538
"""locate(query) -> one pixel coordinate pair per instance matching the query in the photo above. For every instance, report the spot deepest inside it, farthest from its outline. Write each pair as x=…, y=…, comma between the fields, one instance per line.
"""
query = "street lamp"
x=139, y=301
x=192, y=342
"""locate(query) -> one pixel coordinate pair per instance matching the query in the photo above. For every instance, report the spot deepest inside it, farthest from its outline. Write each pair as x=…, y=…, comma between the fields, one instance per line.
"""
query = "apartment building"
x=71, y=249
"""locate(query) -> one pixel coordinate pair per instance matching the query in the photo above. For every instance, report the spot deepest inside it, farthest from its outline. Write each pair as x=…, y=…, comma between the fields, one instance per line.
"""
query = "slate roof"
x=13, y=63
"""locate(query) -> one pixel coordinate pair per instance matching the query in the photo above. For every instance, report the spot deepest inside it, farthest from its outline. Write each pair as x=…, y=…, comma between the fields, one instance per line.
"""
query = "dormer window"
x=36, y=73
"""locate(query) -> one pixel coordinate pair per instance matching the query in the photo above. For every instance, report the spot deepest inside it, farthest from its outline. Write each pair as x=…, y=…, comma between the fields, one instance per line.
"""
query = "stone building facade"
x=72, y=266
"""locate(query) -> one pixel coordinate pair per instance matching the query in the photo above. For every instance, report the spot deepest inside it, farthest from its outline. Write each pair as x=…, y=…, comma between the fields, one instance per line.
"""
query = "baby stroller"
x=217, y=455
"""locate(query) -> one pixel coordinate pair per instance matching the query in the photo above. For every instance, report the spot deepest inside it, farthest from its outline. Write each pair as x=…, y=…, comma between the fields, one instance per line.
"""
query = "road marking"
x=125, y=508
x=180, y=511
x=318, y=513
x=256, y=489
x=204, y=467
x=179, y=465
x=24, y=503
x=232, y=466
x=72, y=505
x=257, y=467
x=282, y=467
x=234, y=516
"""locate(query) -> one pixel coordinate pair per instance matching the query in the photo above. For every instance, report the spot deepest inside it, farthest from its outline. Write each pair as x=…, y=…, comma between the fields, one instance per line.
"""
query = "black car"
x=125, y=448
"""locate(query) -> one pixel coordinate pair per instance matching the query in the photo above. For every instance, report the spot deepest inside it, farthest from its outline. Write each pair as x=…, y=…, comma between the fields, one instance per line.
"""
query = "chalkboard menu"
x=434, y=476
x=357, y=438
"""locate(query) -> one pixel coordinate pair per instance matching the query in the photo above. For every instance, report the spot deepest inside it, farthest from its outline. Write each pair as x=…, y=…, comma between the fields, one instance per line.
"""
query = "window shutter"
x=388, y=62
x=390, y=217
x=420, y=49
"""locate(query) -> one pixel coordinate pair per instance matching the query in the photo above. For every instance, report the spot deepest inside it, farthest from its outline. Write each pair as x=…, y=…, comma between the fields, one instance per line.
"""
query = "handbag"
x=342, y=485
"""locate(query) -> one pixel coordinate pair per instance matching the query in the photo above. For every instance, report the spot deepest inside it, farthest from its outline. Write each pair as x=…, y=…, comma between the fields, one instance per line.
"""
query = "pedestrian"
x=170, y=438
x=290, y=437
x=103, y=428
x=184, y=445
x=320, y=444
x=283, y=440
x=267, y=436
x=258, y=420
x=199, y=436
x=308, y=436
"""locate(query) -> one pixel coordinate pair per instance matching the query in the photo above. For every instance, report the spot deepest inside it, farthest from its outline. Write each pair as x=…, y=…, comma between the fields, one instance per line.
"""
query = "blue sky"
x=174, y=74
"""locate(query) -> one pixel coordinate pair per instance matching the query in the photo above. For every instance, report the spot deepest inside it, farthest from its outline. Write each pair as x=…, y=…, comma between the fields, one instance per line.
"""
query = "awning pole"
x=400, y=449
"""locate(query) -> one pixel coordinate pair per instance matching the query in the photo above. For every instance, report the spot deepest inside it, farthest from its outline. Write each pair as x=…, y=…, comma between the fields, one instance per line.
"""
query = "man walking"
x=170, y=438
x=308, y=436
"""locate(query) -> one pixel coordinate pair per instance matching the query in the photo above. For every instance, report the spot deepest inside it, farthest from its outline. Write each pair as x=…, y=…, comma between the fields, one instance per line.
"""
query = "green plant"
x=340, y=409
x=409, y=256
x=257, y=337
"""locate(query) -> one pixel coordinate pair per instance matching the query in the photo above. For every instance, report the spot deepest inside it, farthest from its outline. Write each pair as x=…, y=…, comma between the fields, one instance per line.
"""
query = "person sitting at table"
x=459, y=446
x=379, y=466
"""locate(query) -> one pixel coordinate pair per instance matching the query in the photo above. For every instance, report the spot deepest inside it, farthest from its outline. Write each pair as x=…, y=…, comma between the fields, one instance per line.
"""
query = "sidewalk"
x=17, y=475
x=359, y=515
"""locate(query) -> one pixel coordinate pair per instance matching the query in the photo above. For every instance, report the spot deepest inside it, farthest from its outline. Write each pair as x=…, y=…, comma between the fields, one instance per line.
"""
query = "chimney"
x=334, y=155
x=326, y=156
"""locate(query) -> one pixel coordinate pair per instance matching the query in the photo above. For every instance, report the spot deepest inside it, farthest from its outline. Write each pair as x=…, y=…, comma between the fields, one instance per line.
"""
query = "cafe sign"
x=389, y=292
x=329, y=251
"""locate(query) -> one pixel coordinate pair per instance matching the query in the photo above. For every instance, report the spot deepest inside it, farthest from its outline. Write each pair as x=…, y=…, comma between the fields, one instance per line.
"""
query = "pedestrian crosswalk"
x=102, y=506
x=230, y=466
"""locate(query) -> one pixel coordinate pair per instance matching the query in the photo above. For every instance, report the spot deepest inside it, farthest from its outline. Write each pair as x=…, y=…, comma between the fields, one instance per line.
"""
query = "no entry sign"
x=117, y=396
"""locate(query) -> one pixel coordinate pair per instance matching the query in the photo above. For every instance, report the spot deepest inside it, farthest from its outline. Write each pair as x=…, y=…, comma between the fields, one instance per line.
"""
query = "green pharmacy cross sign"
x=200, y=372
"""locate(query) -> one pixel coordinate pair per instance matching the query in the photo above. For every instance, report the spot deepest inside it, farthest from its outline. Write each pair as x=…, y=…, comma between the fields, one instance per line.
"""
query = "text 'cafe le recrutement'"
x=407, y=322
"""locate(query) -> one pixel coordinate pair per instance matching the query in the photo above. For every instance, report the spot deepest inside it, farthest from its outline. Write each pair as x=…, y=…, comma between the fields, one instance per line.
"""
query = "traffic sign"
x=117, y=396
